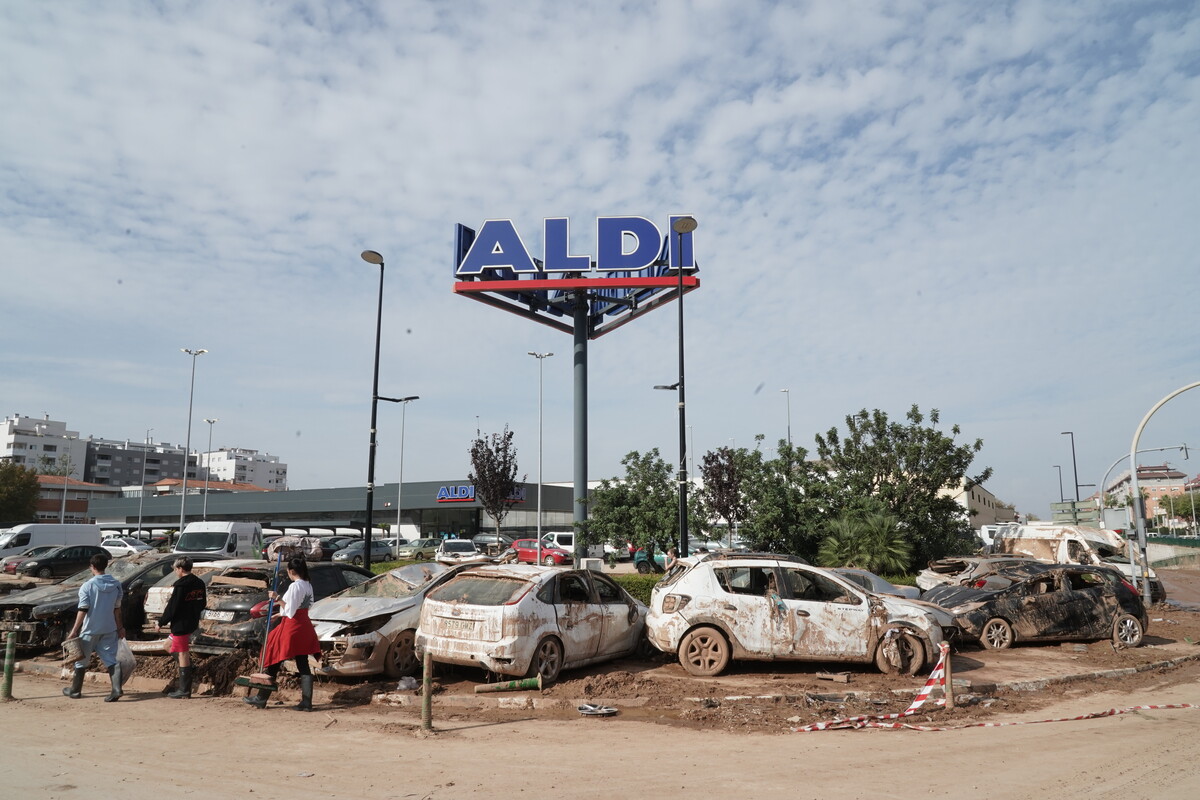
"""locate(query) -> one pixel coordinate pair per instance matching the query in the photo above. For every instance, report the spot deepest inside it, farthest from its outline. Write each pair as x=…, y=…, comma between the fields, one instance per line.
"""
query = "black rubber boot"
x=114, y=675
x=75, y=690
x=183, y=686
x=306, y=686
x=257, y=698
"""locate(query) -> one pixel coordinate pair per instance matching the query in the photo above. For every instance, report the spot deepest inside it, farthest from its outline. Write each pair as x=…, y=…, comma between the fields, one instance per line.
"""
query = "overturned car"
x=1047, y=602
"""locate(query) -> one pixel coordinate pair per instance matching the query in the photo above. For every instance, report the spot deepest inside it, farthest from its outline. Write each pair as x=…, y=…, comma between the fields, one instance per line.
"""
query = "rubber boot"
x=257, y=698
x=114, y=675
x=183, y=686
x=306, y=686
x=75, y=690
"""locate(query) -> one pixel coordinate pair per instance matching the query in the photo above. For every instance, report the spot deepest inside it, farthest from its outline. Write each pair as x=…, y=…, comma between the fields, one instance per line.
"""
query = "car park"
x=234, y=618
x=1048, y=602
x=124, y=546
x=874, y=583
x=524, y=619
x=60, y=561
x=353, y=553
x=713, y=609
x=418, y=549
x=370, y=629
x=527, y=553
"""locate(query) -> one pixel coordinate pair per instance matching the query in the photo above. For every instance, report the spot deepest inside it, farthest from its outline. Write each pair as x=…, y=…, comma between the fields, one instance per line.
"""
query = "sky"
x=987, y=209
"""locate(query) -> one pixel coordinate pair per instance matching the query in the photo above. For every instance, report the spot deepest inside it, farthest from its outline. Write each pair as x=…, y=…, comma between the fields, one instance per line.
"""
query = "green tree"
x=494, y=474
x=19, y=491
x=788, y=501
x=642, y=507
x=905, y=465
x=723, y=471
x=869, y=539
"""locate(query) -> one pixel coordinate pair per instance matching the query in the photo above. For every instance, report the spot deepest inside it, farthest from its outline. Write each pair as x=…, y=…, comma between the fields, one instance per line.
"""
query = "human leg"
x=181, y=646
x=306, y=684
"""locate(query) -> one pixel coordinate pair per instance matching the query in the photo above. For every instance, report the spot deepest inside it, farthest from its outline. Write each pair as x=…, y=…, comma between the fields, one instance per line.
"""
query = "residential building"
x=123, y=463
x=43, y=444
x=980, y=506
x=1160, y=484
x=239, y=465
x=68, y=500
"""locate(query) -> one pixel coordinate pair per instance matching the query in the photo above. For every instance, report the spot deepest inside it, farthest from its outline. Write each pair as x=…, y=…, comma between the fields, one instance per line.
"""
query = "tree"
x=641, y=508
x=906, y=466
x=723, y=471
x=869, y=539
x=494, y=474
x=788, y=501
x=19, y=491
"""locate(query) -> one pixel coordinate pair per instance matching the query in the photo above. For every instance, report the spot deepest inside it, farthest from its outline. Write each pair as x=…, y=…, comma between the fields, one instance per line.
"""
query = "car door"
x=579, y=617
x=742, y=606
x=1088, y=605
x=821, y=617
x=67, y=560
x=1035, y=608
x=621, y=623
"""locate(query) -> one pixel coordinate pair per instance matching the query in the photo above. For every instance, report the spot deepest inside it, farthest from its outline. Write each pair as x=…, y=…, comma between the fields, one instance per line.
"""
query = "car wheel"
x=357, y=561
x=401, y=658
x=1127, y=631
x=643, y=568
x=547, y=661
x=704, y=652
x=45, y=572
x=903, y=654
x=548, y=561
x=997, y=634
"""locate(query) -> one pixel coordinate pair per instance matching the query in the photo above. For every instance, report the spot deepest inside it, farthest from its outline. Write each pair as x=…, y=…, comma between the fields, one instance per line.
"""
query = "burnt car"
x=235, y=616
x=1048, y=603
x=42, y=617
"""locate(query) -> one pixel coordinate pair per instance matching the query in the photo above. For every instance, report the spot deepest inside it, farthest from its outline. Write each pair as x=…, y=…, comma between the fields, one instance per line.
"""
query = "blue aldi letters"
x=622, y=244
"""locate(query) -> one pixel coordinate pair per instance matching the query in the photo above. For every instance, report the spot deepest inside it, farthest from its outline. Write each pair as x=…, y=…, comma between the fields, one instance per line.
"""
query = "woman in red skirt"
x=292, y=636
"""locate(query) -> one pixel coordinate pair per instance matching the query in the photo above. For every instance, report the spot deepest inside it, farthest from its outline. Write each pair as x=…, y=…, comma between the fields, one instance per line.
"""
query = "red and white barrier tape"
x=938, y=678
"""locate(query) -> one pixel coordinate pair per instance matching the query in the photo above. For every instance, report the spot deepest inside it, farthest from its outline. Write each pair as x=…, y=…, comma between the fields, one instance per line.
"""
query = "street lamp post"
x=372, y=257
x=1073, y=464
x=541, y=357
x=187, y=447
x=681, y=226
x=208, y=463
x=1061, y=499
x=142, y=494
x=788, y=394
x=403, y=401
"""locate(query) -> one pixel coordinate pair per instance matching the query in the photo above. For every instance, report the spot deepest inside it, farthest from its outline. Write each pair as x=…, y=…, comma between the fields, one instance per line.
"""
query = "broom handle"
x=262, y=654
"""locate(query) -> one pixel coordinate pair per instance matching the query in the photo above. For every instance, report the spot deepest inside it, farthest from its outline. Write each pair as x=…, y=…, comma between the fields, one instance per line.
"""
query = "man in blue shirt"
x=98, y=623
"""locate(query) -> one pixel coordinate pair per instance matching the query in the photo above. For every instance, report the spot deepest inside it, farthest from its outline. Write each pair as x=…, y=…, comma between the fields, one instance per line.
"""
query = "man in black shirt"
x=188, y=597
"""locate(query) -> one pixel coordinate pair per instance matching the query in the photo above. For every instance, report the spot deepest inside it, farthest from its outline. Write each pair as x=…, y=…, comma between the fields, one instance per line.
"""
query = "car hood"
x=953, y=596
x=39, y=596
x=354, y=609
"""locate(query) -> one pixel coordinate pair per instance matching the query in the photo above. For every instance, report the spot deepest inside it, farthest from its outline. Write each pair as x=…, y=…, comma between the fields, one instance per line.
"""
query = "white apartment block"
x=43, y=444
x=239, y=465
x=988, y=509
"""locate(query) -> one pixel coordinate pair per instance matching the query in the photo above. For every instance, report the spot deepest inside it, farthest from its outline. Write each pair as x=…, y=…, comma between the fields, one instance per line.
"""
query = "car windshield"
x=200, y=542
x=480, y=590
x=458, y=546
x=123, y=568
x=399, y=582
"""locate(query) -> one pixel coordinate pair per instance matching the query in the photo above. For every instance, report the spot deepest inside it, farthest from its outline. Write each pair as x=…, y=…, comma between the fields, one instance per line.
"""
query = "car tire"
x=547, y=660
x=997, y=634
x=356, y=561
x=548, y=561
x=909, y=654
x=45, y=572
x=704, y=652
x=1127, y=631
x=401, y=658
x=643, y=568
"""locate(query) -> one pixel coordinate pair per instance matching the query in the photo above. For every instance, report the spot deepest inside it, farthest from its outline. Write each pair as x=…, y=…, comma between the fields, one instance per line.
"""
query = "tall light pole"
x=681, y=226
x=541, y=357
x=788, y=394
x=1061, y=499
x=142, y=494
x=1073, y=465
x=207, y=463
x=187, y=447
x=403, y=401
x=372, y=257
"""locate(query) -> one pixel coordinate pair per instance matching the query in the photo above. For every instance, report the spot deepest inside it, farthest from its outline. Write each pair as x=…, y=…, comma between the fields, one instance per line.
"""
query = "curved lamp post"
x=207, y=463
x=372, y=257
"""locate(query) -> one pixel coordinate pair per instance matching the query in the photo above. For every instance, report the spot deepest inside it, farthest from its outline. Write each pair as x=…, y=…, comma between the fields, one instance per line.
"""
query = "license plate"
x=458, y=625
x=219, y=616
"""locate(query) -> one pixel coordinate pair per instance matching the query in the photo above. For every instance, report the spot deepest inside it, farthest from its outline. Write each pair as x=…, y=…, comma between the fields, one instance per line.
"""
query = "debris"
x=407, y=683
x=837, y=677
x=590, y=710
x=518, y=685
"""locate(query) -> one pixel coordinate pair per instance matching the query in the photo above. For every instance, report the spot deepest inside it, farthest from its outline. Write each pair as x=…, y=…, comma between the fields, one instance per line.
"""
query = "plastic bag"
x=126, y=660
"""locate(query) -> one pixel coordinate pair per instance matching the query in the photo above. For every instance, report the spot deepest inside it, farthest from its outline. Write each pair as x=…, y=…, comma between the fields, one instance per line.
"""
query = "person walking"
x=188, y=597
x=293, y=637
x=99, y=626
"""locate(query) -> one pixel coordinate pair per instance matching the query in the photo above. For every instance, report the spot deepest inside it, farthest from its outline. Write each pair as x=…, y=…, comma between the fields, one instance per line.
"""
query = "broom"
x=260, y=679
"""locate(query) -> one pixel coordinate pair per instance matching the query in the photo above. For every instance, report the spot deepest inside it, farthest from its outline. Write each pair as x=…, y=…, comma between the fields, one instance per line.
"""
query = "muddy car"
x=716, y=608
x=522, y=619
x=371, y=628
x=964, y=570
x=234, y=618
x=874, y=583
x=158, y=595
x=43, y=616
x=1048, y=603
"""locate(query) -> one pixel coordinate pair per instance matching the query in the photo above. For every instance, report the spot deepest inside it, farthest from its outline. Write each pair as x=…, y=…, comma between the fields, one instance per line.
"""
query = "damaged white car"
x=370, y=629
x=521, y=619
x=752, y=606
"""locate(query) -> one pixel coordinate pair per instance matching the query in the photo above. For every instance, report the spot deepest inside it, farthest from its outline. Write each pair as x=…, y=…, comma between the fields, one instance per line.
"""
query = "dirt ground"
x=673, y=735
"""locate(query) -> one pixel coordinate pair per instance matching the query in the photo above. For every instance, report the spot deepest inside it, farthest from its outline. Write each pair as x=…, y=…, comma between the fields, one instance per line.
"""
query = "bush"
x=637, y=585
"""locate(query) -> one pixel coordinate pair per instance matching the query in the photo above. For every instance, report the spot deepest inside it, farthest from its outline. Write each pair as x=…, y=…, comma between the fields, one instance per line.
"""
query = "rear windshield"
x=400, y=582
x=480, y=590
x=460, y=546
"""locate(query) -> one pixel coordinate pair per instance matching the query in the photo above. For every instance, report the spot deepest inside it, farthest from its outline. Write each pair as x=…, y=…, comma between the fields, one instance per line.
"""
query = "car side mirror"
x=137, y=585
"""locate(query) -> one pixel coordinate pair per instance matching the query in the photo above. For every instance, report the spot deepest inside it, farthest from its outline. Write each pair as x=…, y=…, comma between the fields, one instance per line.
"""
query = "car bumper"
x=352, y=656
x=509, y=656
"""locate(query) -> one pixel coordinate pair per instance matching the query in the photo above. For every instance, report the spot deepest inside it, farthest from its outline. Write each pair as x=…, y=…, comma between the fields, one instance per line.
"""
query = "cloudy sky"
x=986, y=209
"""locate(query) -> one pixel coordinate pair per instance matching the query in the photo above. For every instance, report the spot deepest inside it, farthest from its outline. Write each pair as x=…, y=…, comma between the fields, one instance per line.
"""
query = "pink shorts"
x=180, y=644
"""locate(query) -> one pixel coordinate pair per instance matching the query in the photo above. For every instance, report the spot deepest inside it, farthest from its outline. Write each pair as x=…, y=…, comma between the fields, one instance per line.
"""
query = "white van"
x=19, y=539
x=566, y=540
x=228, y=539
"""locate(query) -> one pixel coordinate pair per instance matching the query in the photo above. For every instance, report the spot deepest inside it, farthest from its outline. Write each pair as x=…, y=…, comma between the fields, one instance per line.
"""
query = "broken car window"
x=479, y=590
x=743, y=580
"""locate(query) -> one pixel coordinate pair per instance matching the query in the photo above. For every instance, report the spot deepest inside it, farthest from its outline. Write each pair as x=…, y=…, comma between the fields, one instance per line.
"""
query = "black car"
x=65, y=560
x=235, y=615
x=42, y=617
x=1048, y=602
x=492, y=543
